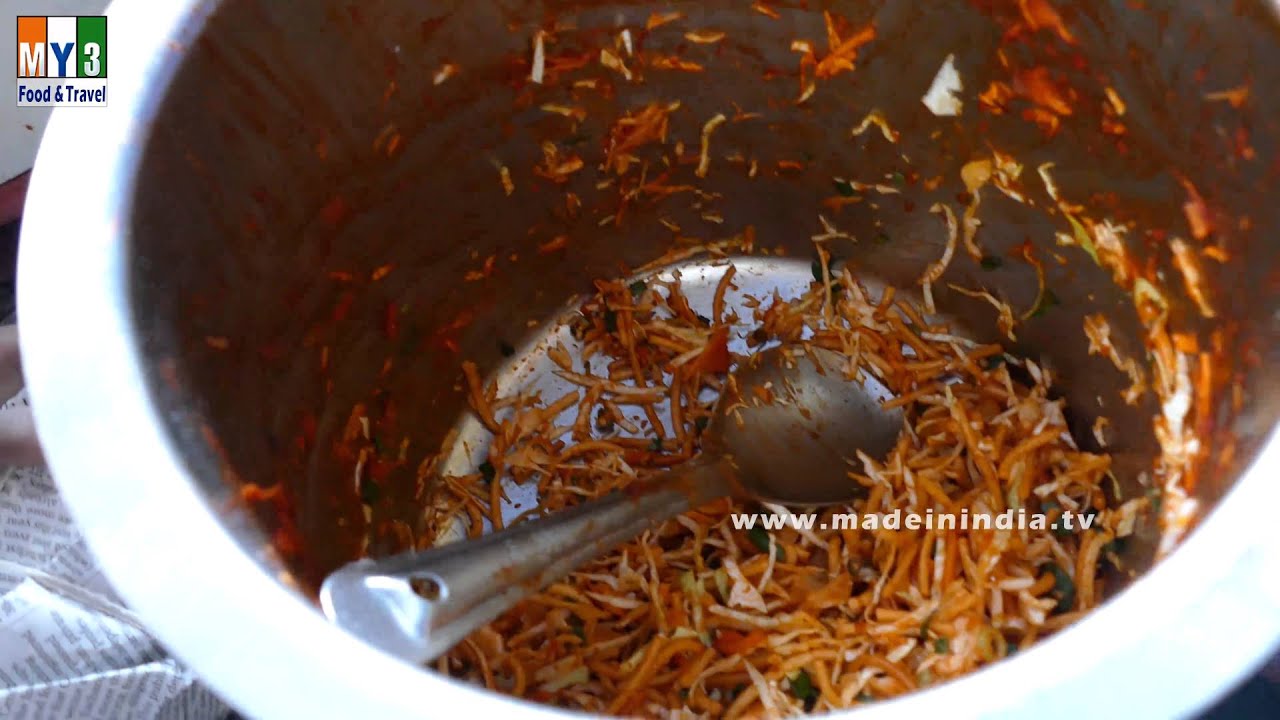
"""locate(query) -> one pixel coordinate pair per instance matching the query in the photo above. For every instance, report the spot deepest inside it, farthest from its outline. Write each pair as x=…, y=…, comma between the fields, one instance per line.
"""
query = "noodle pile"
x=696, y=618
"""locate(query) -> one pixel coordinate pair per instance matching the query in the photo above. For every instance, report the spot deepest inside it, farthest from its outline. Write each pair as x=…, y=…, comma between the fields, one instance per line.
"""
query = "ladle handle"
x=417, y=605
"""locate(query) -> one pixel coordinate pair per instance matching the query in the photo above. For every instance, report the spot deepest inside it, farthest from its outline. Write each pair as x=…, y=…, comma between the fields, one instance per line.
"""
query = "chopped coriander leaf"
x=993, y=362
x=1083, y=239
x=865, y=696
x=898, y=178
x=575, y=624
x=369, y=491
x=656, y=444
x=1047, y=301
x=833, y=267
x=701, y=423
x=637, y=288
x=942, y=646
x=844, y=187
x=377, y=446
x=991, y=262
x=506, y=348
x=1155, y=497
x=1113, y=551
x=1064, y=589
x=1061, y=530
x=760, y=538
x=488, y=471
x=1053, y=511
x=924, y=626
x=882, y=238
x=802, y=686
x=610, y=321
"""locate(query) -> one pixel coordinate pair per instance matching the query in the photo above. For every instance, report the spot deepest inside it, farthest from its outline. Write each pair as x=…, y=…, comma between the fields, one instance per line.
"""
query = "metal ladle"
x=782, y=432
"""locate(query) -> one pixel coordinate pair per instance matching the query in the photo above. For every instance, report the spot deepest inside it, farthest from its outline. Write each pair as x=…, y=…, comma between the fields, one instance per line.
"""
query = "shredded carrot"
x=765, y=10
x=635, y=130
x=1199, y=219
x=671, y=62
x=715, y=357
x=732, y=642
x=1041, y=14
x=716, y=609
x=660, y=19
x=1028, y=254
x=704, y=37
x=704, y=159
x=842, y=51
x=722, y=287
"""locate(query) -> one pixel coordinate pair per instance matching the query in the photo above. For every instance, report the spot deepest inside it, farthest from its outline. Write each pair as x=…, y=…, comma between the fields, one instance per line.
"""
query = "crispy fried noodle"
x=697, y=618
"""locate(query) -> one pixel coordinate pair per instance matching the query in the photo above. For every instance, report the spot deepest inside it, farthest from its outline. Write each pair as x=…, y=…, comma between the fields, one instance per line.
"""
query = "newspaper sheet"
x=68, y=646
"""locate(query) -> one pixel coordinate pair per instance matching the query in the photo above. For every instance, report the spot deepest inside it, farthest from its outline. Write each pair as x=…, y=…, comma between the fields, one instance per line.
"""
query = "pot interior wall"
x=304, y=146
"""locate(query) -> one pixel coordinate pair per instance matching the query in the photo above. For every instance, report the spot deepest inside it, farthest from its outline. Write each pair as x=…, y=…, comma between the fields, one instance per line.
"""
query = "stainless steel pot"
x=176, y=295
